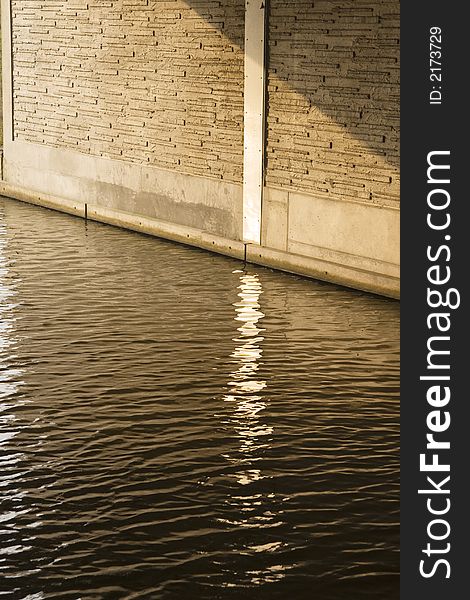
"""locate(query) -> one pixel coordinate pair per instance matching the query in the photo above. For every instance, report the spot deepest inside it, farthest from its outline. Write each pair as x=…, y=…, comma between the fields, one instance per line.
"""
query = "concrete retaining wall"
x=153, y=141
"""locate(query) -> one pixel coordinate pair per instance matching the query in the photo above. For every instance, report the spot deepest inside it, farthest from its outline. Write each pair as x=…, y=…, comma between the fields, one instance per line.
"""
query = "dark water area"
x=175, y=424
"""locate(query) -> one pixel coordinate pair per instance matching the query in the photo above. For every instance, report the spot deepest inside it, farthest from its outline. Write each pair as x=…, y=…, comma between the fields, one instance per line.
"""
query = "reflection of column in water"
x=252, y=508
x=245, y=385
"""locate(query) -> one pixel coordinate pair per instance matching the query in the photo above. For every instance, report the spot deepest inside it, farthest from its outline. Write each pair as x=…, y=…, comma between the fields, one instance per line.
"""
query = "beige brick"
x=133, y=62
x=333, y=75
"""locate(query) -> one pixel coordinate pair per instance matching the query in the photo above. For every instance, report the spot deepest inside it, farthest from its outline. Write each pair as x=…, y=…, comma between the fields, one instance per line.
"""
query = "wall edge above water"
x=309, y=266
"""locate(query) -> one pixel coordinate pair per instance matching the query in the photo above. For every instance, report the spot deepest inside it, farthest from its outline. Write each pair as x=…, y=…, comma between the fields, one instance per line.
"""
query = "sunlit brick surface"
x=141, y=80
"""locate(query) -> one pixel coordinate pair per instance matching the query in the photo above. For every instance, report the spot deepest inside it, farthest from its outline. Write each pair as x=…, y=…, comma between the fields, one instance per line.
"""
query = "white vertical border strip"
x=7, y=73
x=254, y=119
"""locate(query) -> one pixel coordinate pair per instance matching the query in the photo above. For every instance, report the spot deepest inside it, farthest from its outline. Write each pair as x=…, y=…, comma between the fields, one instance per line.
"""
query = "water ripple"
x=176, y=425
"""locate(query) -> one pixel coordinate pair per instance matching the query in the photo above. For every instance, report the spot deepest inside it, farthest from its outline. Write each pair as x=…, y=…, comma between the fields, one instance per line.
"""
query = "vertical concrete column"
x=254, y=119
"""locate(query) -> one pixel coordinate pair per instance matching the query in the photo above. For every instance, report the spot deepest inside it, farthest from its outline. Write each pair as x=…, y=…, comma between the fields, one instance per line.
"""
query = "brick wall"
x=333, y=94
x=146, y=81
x=161, y=83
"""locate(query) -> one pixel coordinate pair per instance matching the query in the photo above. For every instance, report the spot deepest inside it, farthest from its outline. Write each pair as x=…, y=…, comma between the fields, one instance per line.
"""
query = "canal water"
x=175, y=424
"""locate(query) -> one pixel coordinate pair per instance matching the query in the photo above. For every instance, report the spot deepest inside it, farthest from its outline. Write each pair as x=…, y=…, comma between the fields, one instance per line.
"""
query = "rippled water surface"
x=174, y=424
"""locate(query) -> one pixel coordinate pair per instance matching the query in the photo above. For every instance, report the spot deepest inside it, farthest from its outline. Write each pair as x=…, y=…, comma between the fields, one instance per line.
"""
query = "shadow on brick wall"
x=333, y=94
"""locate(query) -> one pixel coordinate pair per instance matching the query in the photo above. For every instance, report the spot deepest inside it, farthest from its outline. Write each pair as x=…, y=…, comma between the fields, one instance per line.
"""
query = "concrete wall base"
x=318, y=268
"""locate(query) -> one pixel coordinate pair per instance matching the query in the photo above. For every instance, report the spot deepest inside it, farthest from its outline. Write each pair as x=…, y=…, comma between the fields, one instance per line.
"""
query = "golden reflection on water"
x=245, y=386
x=248, y=404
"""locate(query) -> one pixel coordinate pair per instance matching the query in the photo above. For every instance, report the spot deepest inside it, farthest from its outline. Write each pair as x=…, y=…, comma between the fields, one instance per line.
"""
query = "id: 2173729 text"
x=435, y=65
